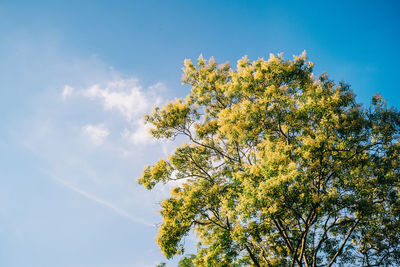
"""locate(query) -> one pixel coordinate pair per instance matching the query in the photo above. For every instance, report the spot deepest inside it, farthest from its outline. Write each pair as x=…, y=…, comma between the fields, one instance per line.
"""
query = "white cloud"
x=158, y=87
x=127, y=98
x=67, y=91
x=140, y=135
x=123, y=95
x=96, y=133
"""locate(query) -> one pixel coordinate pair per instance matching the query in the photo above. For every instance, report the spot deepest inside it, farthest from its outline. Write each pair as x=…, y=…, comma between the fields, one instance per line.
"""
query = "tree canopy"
x=280, y=167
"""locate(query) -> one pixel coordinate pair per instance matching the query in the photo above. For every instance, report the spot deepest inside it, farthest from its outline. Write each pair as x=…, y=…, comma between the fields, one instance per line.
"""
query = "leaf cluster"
x=280, y=168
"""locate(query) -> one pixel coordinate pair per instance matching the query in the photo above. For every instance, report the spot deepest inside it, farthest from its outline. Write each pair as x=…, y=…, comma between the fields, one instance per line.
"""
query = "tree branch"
x=253, y=258
x=344, y=243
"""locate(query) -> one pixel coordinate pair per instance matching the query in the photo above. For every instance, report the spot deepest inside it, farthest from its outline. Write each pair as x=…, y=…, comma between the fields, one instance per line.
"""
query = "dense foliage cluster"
x=281, y=168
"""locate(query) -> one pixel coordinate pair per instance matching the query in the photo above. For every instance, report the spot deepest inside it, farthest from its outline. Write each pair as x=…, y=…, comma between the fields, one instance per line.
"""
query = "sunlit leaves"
x=280, y=167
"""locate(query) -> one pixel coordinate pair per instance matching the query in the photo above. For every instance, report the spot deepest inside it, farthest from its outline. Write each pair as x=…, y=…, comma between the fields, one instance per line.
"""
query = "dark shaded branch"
x=344, y=243
x=253, y=258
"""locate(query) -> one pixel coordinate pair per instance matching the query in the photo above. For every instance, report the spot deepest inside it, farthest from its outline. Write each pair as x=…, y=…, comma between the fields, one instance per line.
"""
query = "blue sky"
x=77, y=76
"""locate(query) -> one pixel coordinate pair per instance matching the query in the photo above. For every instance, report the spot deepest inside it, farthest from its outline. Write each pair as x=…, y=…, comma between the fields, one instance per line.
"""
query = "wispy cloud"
x=140, y=135
x=123, y=95
x=103, y=202
x=67, y=91
x=128, y=99
x=96, y=133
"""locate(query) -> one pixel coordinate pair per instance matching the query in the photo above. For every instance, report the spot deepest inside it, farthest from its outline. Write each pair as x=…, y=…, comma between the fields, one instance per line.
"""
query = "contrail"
x=102, y=202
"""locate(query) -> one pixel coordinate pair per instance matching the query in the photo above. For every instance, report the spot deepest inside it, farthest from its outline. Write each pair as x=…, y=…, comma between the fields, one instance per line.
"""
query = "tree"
x=280, y=168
